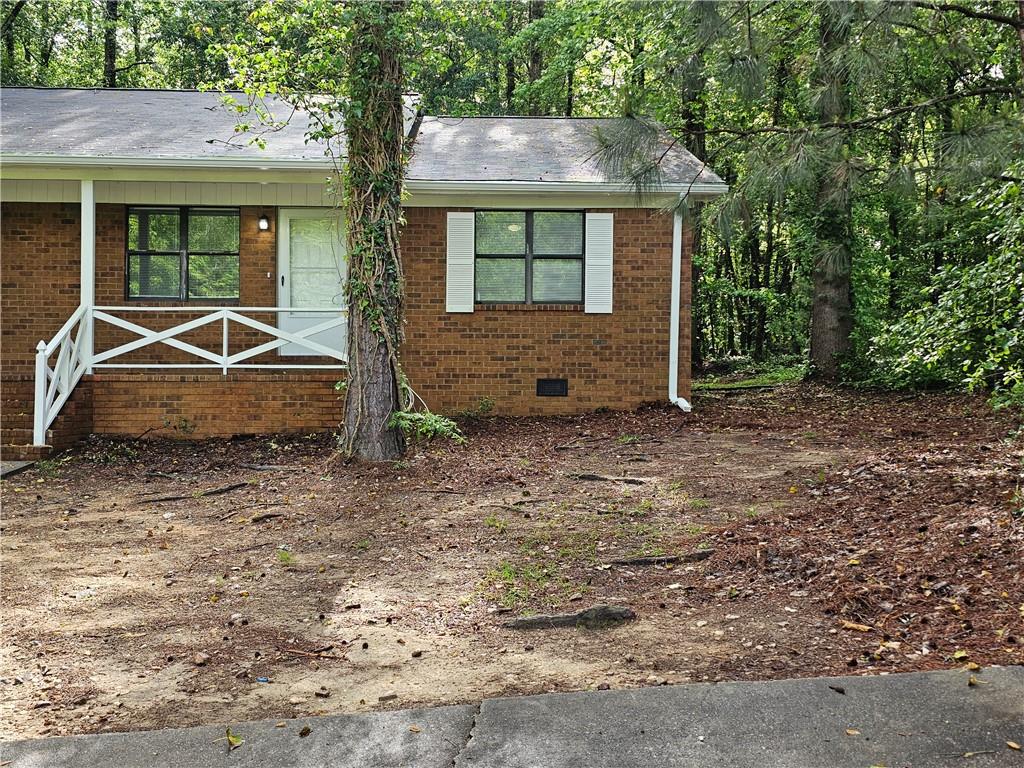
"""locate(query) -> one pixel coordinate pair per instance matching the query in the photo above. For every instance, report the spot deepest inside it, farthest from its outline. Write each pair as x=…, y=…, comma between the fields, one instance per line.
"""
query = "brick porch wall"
x=453, y=360
x=212, y=405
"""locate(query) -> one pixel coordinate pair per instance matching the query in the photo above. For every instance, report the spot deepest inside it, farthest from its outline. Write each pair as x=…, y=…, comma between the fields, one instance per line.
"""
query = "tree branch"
x=11, y=16
x=970, y=12
x=134, y=64
x=864, y=121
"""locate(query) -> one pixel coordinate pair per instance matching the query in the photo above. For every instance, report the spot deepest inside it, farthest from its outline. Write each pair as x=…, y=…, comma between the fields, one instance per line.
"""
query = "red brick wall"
x=613, y=361
x=212, y=405
x=39, y=277
x=453, y=360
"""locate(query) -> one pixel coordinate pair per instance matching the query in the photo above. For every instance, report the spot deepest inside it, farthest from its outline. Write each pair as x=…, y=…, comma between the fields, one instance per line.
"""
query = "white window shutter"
x=459, y=276
x=598, y=269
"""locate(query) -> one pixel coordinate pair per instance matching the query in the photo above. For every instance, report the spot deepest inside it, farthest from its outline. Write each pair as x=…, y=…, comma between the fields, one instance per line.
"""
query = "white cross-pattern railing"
x=53, y=386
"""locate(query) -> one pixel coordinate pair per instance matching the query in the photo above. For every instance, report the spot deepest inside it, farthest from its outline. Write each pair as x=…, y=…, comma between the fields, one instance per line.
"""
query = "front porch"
x=89, y=348
x=130, y=356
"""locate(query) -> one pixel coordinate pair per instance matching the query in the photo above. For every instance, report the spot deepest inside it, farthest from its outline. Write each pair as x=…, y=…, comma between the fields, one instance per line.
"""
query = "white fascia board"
x=696, y=190
x=533, y=187
x=250, y=163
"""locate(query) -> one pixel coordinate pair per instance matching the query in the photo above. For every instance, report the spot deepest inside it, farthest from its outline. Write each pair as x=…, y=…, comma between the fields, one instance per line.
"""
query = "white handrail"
x=64, y=330
x=178, y=309
x=53, y=386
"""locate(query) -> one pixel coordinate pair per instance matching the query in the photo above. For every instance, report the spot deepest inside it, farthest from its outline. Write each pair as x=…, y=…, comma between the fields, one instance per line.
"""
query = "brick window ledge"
x=527, y=307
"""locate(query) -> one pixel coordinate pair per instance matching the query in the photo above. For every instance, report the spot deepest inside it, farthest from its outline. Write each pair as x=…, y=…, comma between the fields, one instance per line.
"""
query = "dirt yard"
x=157, y=583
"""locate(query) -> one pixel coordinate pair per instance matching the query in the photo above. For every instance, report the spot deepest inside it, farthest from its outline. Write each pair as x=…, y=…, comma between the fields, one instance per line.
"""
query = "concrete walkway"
x=9, y=468
x=920, y=720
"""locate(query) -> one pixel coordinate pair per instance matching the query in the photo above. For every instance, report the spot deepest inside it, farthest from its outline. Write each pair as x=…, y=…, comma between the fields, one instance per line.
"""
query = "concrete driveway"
x=918, y=720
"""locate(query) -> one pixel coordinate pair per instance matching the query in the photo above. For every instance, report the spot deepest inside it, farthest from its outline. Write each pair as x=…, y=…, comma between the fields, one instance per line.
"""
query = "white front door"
x=312, y=266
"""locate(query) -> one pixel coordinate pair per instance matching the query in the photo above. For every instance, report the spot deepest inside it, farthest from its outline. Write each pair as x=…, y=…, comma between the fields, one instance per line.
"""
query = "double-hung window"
x=529, y=257
x=182, y=253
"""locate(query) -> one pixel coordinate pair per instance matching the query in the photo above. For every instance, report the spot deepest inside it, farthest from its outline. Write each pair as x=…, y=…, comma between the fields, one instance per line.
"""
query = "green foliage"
x=970, y=329
x=285, y=558
x=424, y=426
x=481, y=410
x=876, y=135
x=499, y=524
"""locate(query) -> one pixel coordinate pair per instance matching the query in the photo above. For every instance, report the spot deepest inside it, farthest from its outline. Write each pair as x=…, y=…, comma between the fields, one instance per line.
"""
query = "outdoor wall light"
x=264, y=222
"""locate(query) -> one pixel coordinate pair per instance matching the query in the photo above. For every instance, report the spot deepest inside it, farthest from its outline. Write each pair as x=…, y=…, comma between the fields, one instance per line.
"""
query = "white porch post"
x=39, y=406
x=88, y=267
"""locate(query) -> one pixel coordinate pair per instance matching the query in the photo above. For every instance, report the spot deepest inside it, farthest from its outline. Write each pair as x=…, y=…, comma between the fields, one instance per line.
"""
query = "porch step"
x=15, y=452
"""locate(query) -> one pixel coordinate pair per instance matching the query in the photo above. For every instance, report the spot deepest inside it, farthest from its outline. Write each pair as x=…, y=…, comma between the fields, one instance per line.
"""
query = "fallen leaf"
x=852, y=732
x=281, y=724
x=1013, y=745
x=415, y=728
x=306, y=730
x=855, y=626
x=234, y=740
x=972, y=666
x=973, y=681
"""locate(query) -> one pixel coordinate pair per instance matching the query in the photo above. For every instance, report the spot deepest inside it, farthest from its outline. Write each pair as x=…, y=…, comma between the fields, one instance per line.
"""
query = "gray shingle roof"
x=528, y=149
x=134, y=123
x=169, y=125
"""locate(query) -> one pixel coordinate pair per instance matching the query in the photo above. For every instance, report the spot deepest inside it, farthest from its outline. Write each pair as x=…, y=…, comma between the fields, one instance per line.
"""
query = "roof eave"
x=688, y=189
x=691, y=189
x=249, y=163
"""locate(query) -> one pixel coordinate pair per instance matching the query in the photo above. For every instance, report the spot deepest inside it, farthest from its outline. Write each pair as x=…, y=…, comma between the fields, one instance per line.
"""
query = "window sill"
x=172, y=303
x=527, y=307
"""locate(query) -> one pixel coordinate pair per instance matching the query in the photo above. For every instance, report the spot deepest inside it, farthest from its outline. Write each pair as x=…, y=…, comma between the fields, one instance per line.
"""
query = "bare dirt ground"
x=848, y=533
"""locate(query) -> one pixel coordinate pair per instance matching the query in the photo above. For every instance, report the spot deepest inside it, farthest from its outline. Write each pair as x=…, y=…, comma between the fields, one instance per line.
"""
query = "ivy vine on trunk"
x=373, y=216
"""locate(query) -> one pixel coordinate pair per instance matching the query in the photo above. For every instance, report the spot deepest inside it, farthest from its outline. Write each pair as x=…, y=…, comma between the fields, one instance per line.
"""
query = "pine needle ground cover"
x=772, y=533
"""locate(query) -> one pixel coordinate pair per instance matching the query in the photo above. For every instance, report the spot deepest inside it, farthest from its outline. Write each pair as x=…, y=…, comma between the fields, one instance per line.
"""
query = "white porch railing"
x=73, y=346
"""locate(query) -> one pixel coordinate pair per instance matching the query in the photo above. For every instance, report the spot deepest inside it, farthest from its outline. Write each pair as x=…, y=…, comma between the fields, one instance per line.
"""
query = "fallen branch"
x=592, y=618
x=211, y=492
x=313, y=654
x=602, y=478
x=272, y=467
x=689, y=557
x=266, y=516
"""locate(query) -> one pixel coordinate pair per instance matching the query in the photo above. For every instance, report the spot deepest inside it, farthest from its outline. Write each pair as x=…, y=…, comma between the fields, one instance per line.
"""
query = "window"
x=183, y=253
x=529, y=257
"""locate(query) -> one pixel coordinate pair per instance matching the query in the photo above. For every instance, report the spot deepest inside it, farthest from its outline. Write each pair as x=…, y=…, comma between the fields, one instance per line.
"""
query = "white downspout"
x=673, y=331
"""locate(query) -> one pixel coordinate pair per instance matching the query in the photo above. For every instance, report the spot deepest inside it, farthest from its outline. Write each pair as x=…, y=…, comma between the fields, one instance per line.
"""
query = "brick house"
x=159, y=278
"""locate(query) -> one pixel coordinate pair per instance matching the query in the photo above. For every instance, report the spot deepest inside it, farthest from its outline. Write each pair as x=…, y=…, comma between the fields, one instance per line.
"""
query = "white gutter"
x=317, y=164
x=252, y=163
x=673, y=328
x=691, y=190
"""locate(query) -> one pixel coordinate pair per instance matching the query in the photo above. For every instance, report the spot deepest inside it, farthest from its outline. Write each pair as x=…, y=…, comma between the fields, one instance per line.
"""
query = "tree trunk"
x=568, y=92
x=110, y=12
x=510, y=64
x=7, y=30
x=1020, y=36
x=832, y=307
x=535, y=65
x=373, y=192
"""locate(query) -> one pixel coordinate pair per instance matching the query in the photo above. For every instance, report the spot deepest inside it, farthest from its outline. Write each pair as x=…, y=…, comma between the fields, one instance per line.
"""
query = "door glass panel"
x=316, y=263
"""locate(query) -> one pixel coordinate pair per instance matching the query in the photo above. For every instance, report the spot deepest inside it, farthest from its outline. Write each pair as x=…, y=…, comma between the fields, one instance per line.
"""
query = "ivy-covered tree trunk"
x=373, y=193
x=832, y=307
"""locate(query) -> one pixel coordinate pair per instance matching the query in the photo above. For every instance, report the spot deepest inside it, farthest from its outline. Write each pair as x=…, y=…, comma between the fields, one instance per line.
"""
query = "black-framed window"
x=188, y=254
x=529, y=257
